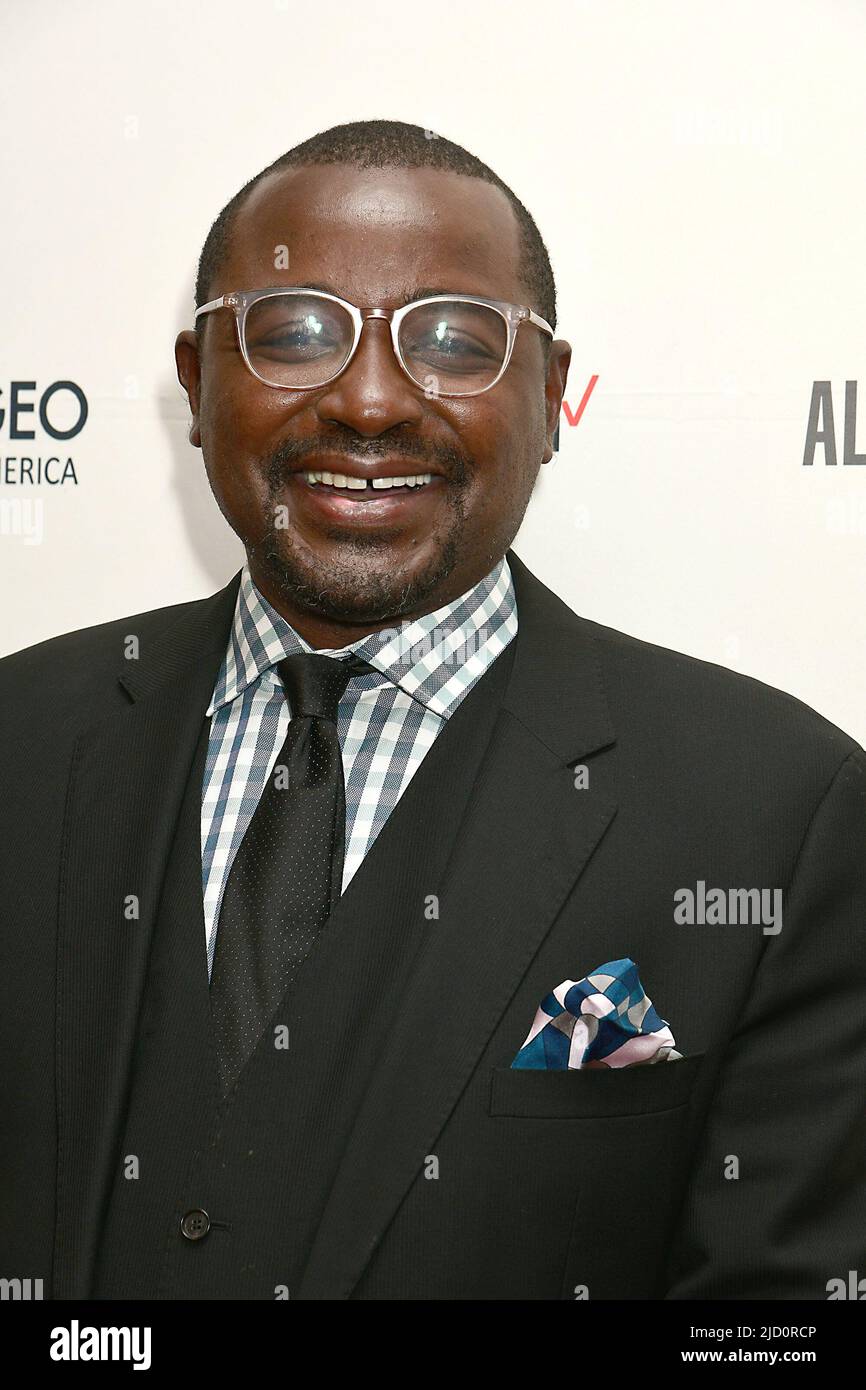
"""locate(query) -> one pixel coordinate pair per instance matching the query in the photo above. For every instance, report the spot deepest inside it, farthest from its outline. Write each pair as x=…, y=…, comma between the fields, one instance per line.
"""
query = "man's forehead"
x=379, y=229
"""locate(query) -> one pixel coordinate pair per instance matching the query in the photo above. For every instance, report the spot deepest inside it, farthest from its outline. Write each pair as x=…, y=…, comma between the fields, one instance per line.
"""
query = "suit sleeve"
x=776, y=1204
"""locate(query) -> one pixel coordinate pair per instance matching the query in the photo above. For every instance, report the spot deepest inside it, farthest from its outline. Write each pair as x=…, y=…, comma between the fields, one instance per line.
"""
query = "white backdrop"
x=696, y=170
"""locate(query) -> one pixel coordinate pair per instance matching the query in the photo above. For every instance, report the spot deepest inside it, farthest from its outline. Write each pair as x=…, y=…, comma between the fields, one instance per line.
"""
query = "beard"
x=359, y=582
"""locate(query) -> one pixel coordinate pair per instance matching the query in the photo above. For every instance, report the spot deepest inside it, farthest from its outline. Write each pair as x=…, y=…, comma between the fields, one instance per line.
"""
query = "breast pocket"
x=581, y=1094
x=609, y=1187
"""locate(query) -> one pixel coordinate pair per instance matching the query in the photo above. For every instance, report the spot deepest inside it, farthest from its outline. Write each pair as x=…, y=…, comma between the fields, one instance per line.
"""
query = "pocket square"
x=603, y=1020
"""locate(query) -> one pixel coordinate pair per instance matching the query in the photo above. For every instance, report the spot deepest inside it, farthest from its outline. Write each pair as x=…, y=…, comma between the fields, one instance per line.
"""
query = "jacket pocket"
x=593, y=1094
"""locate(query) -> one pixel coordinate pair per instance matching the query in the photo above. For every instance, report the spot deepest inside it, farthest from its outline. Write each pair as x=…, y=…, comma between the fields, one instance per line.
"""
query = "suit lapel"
x=127, y=783
x=523, y=841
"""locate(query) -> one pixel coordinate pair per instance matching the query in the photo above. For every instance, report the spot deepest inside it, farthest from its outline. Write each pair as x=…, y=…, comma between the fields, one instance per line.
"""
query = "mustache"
x=290, y=455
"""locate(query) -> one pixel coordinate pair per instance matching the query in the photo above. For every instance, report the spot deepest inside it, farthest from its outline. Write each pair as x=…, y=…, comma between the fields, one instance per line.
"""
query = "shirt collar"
x=436, y=659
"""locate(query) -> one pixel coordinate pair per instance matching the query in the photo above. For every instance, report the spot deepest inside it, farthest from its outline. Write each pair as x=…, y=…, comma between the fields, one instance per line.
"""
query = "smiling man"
x=336, y=558
x=343, y=952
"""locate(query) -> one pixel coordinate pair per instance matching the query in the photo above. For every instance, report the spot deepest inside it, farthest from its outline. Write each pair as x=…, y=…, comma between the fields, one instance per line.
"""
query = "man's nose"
x=373, y=393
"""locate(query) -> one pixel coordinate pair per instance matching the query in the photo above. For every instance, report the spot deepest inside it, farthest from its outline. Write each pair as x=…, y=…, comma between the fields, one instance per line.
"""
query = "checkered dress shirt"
x=386, y=722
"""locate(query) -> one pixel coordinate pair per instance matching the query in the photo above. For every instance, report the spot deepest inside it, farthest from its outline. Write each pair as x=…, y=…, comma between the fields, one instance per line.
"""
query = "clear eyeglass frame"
x=241, y=301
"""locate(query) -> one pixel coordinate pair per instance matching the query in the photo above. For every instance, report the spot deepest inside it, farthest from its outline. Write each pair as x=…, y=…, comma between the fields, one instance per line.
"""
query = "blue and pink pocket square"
x=603, y=1020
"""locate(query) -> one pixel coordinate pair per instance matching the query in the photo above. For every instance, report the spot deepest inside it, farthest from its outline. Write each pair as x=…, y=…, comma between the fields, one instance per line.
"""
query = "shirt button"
x=195, y=1225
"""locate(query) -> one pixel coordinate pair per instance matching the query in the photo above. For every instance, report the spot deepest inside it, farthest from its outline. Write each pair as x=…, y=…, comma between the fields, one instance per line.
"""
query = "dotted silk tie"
x=288, y=872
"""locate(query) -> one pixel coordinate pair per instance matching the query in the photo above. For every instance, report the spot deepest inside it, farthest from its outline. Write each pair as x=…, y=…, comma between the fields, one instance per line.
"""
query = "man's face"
x=374, y=237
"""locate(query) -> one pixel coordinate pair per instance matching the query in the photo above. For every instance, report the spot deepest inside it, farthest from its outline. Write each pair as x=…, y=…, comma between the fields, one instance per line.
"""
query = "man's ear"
x=189, y=375
x=554, y=390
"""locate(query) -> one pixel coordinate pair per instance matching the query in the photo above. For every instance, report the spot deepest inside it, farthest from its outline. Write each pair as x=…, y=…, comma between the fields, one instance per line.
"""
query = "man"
x=278, y=923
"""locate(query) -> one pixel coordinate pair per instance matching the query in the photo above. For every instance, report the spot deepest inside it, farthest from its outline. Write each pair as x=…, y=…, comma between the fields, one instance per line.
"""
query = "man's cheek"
x=238, y=480
x=227, y=410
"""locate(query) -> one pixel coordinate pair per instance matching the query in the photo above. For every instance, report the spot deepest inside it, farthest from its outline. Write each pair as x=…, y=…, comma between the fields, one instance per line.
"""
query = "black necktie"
x=288, y=872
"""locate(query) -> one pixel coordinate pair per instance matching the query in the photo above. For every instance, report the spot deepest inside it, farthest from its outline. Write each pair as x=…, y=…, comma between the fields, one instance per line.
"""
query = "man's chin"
x=361, y=589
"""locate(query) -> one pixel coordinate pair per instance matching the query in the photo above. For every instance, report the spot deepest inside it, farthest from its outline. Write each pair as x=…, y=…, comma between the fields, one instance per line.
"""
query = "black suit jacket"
x=738, y=1172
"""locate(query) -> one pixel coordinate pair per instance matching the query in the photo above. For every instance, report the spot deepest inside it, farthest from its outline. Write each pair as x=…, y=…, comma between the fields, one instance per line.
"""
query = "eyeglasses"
x=449, y=345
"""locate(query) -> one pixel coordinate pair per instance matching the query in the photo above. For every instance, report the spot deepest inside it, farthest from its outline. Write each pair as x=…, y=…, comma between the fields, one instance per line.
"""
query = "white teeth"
x=360, y=485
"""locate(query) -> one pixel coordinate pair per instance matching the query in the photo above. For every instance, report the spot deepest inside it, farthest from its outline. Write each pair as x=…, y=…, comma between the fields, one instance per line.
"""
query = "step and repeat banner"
x=696, y=171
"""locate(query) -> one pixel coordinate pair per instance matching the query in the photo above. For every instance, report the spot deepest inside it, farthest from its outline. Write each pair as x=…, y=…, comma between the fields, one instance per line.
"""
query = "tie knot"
x=315, y=683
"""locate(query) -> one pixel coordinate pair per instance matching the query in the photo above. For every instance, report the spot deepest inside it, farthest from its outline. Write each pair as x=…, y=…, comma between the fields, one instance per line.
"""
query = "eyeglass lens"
x=450, y=346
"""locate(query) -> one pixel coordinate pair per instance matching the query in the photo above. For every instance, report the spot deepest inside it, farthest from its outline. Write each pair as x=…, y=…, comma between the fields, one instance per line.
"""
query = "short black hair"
x=389, y=144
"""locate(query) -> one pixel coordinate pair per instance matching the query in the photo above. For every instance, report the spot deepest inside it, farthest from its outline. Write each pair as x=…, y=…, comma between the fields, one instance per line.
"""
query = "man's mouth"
x=367, y=499
x=360, y=489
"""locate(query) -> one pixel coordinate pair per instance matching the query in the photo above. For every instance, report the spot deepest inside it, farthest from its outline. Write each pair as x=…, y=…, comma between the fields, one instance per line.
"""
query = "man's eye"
x=295, y=339
x=450, y=345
